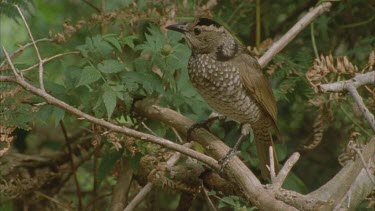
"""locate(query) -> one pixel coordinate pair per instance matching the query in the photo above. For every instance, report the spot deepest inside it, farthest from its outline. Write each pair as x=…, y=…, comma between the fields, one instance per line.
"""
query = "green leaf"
x=154, y=41
x=89, y=75
x=72, y=76
x=101, y=46
x=112, y=40
x=148, y=80
x=44, y=113
x=174, y=37
x=86, y=48
x=109, y=99
x=58, y=114
x=106, y=165
x=111, y=66
x=128, y=101
x=281, y=150
x=129, y=41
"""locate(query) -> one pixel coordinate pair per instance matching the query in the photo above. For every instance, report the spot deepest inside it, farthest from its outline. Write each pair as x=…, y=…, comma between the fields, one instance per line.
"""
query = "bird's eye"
x=197, y=31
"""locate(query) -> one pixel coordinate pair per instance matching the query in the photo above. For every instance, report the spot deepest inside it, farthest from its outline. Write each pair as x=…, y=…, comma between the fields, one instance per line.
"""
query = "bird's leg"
x=203, y=124
x=245, y=130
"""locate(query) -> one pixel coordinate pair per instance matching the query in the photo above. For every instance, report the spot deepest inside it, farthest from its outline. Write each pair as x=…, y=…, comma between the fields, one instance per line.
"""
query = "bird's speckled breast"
x=220, y=85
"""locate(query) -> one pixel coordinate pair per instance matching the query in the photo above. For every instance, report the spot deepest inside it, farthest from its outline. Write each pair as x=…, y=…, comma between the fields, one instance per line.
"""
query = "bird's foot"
x=202, y=124
x=226, y=158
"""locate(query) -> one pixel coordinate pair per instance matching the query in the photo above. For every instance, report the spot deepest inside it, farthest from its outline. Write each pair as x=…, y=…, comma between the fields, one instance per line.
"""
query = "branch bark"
x=236, y=171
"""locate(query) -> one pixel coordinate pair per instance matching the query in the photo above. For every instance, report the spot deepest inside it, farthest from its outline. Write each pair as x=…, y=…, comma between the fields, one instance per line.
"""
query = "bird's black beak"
x=177, y=27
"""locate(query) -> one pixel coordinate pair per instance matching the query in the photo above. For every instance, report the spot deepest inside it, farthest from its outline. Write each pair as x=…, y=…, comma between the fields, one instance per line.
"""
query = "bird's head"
x=206, y=36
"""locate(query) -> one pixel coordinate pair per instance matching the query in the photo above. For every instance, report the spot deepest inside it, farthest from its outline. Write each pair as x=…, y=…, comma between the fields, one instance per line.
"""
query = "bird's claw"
x=226, y=158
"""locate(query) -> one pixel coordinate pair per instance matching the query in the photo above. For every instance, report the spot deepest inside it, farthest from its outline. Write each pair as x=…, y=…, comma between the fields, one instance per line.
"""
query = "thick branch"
x=236, y=171
x=121, y=189
x=334, y=190
x=293, y=32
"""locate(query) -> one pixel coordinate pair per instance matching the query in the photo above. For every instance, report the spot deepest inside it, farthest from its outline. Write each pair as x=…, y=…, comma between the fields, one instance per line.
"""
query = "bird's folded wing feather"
x=257, y=84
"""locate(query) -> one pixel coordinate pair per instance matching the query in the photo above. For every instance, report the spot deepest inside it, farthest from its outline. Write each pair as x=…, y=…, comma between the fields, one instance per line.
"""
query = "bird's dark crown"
x=207, y=22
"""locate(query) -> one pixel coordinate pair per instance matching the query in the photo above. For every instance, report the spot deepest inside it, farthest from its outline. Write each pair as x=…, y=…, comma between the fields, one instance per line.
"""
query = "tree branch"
x=281, y=176
x=19, y=51
x=293, y=32
x=72, y=165
x=130, y=132
x=236, y=171
x=352, y=174
x=358, y=80
x=351, y=86
x=121, y=189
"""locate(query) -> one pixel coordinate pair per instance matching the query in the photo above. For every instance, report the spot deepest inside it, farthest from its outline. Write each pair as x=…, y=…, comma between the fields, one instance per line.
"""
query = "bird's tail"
x=263, y=140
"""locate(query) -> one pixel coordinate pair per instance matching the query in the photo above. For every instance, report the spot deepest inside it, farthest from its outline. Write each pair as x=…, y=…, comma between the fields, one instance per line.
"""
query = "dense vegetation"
x=105, y=56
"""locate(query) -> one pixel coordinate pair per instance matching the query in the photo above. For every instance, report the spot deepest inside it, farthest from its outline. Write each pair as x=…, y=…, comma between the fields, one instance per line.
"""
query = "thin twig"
x=11, y=64
x=358, y=99
x=292, y=33
x=20, y=49
x=139, y=197
x=313, y=41
x=272, y=165
x=59, y=203
x=49, y=59
x=30, y=34
x=176, y=156
x=281, y=176
x=41, y=69
x=211, y=205
x=95, y=200
x=149, y=129
x=72, y=165
x=177, y=135
x=148, y=187
x=354, y=121
x=91, y=5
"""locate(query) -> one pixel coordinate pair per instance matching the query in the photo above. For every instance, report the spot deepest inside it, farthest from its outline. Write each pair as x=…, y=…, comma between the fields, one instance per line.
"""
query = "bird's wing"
x=257, y=85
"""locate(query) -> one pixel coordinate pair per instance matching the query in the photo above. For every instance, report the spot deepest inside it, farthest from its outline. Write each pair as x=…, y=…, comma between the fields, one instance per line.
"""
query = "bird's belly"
x=229, y=99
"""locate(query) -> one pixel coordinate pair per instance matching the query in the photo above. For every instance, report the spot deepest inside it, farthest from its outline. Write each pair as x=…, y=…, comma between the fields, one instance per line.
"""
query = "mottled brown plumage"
x=231, y=81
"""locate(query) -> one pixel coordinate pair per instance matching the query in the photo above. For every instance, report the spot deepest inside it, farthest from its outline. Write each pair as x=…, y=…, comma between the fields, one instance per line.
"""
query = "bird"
x=231, y=81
